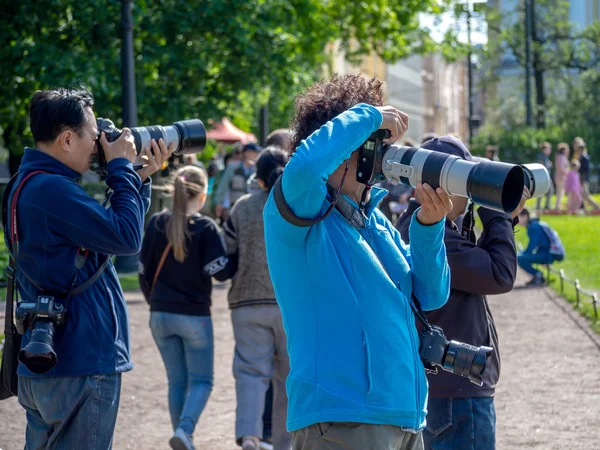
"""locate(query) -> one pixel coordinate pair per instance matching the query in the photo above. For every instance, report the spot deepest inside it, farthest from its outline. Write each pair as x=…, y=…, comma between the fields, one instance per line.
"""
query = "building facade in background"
x=584, y=12
x=445, y=97
x=431, y=91
x=406, y=92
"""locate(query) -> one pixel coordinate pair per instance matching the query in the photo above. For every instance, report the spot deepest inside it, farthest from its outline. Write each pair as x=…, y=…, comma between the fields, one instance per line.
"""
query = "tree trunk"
x=538, y=74
x=540, y=99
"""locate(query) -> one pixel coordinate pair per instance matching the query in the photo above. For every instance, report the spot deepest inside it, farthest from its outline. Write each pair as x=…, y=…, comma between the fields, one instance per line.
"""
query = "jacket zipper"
x=415, y=356
x=368, y=355
x=412, y=336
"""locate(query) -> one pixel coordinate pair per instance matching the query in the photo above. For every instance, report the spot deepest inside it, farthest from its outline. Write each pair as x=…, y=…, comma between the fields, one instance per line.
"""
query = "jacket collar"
x=34, y=159
x=348, y=208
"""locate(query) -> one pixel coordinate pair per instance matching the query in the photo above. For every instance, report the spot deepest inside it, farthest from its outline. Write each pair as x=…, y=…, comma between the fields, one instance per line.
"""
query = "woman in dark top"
x=193, y=251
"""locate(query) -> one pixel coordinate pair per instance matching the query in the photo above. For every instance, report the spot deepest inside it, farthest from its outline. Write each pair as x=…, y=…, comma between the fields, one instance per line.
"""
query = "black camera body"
x=42, y=317
x=189, y=137
x=98, y=164
x=456, y=357
x=370, y=158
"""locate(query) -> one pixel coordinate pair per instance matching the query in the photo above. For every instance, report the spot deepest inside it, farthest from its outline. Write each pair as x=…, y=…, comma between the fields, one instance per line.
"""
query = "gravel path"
x=548, y=397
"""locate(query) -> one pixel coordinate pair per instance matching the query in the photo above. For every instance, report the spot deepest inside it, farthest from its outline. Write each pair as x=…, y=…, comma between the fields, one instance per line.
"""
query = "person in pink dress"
x=573, y=188
x=561, y=165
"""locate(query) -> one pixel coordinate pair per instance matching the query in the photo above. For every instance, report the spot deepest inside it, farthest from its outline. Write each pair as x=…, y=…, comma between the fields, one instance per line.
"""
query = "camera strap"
x=289, y=216
x=468, y=224
x=13, y=245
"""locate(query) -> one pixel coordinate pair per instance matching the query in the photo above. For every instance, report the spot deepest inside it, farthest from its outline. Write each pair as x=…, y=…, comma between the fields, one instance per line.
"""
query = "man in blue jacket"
x=356, y=378
x=75, y=404
x=544, y=247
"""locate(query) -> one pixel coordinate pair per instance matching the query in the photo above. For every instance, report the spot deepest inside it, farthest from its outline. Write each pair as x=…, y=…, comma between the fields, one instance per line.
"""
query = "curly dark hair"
x=327, y=99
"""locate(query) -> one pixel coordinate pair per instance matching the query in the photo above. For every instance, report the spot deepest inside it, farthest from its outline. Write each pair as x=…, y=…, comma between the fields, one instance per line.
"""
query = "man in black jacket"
x=460, y=413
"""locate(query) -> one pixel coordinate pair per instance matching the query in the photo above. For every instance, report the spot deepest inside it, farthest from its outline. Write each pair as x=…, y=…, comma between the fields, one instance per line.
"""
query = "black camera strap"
x=9, y=327
x=468, y=224
x=13, y=249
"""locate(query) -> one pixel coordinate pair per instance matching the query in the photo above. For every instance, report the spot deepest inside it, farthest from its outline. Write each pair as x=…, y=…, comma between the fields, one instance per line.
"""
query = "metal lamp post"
x=127, y=264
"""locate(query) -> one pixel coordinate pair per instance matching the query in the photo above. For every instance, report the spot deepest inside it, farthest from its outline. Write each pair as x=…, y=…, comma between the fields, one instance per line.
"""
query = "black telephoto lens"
x=38, y=355
x=467, y=360
x=495, y=183
x=189, y=136
x=193, y=136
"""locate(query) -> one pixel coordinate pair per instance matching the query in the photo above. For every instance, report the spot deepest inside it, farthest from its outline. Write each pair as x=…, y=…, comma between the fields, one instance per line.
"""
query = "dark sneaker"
x=536, y=281
x=181, y=441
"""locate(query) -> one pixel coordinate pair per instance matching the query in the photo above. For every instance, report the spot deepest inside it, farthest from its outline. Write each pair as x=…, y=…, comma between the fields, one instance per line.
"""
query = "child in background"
x=573, y=188
x=561, y=167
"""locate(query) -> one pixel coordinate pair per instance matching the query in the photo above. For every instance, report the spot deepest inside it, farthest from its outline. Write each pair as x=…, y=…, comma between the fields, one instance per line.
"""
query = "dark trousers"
x=355, y=436
x=548, y=196
x=460, y=423
x=527, y=260
x=268, y=414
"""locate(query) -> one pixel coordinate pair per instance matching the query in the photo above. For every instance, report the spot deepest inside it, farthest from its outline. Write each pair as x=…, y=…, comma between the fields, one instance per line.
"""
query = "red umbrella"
x=225, y=131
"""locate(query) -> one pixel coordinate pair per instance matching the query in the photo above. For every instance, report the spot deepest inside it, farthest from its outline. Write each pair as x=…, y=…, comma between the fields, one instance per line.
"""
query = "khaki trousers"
x=355, y=436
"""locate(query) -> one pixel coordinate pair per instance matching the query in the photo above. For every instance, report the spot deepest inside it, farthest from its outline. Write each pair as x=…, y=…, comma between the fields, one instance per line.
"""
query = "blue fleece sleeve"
x=305, y=176
x=428, y=263
x=80, y=220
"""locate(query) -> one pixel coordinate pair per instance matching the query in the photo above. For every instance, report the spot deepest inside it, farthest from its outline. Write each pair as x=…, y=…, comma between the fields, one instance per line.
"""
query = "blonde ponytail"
x=190, y=181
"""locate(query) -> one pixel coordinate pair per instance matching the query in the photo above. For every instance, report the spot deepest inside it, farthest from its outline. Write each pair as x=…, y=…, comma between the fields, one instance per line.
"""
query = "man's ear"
x=261, y=183
x=65, y=139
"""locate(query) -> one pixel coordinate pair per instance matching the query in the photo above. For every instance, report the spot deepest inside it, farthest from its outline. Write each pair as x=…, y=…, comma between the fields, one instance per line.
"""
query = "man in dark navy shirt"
x=75, y=404
x=581, y=153
x=461, y=414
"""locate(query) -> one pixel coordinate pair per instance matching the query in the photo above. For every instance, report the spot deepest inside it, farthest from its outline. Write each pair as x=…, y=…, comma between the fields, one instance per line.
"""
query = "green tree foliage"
x=566, y=79
x=558, y=46
x=573, y=109
x=193, y=58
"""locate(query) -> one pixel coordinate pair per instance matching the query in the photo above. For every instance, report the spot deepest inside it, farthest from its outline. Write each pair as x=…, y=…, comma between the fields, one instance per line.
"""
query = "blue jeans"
x=460, y=423
x=186, y=346
x=526, y=261
x=70, y=413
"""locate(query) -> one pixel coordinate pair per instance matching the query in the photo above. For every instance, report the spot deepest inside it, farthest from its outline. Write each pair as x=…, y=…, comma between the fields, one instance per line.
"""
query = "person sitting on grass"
x=544, y=247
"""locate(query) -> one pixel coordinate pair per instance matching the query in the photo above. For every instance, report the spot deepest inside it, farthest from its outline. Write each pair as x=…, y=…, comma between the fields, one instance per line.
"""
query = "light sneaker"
x=250, y=443
x=265, y=446
x=181, y=441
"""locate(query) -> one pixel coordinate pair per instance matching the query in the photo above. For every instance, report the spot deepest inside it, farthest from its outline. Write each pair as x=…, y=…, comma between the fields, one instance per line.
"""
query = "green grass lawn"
x=579, y=235
x=130, y=283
